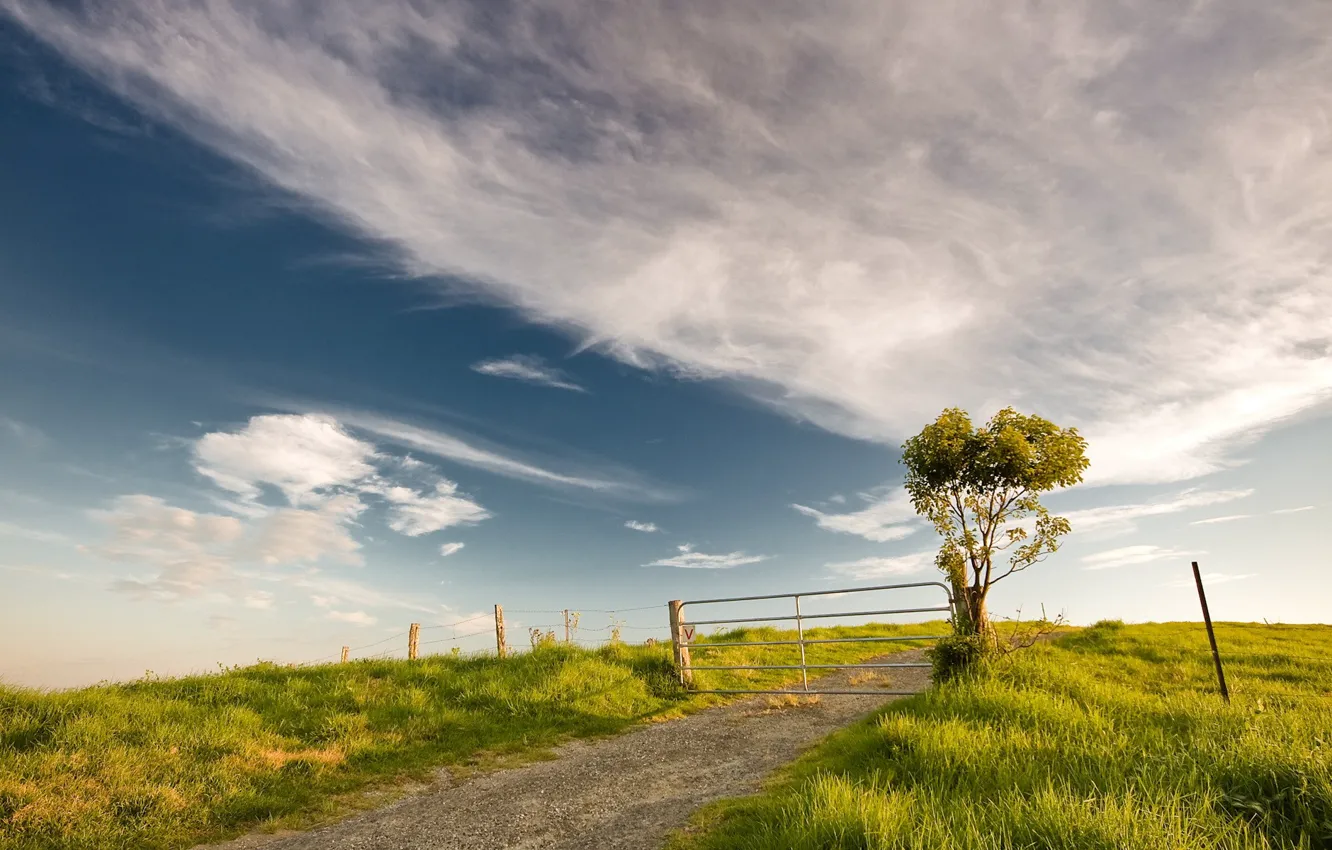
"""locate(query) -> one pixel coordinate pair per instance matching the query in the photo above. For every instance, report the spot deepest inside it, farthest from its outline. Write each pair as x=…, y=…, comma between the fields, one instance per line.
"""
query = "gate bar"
x=813, y=693
x=938, y=584
x=821, y=616
x=710, y=644
x=805, y=666
x=800, y=636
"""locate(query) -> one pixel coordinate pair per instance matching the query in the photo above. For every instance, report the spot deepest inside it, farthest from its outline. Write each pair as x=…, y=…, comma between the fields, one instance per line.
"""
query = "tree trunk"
x=971, y=616
x=976, y=611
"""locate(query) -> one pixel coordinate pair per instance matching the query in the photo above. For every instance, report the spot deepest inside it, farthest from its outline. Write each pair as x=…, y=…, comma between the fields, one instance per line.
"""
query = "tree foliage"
x=980, y=487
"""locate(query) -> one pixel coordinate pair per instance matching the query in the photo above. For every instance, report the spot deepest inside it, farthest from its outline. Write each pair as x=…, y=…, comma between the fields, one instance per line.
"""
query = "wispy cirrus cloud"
x=37, y=535
x=356, y=618
x=328, y=590
x=448, y=549
x=529, y=369
x=614, y=482
x=28, y=436
x=1120, y=519
x=1127, y=556
x=645, y=527
x=888, y=516
x=1298, y=510
x=1220, y=519
x=885, y=567
x=754, y=192
x=688, y=558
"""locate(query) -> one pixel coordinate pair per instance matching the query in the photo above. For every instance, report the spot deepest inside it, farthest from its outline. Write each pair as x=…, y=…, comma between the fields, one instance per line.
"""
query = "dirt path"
x=626, y=792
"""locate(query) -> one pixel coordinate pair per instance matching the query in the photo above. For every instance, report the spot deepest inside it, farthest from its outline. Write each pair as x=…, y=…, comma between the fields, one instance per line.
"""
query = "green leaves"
x=1012, y=451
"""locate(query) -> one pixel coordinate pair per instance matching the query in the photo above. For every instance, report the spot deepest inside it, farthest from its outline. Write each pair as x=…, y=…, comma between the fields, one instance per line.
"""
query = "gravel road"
x=625, y=792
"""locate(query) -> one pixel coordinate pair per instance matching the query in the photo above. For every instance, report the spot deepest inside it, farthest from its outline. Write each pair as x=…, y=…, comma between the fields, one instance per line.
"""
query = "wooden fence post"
x=1211, y=635
x=413, y=635
x=345, y=650
x=566, y=625
x=499, y=629
x=679, y=645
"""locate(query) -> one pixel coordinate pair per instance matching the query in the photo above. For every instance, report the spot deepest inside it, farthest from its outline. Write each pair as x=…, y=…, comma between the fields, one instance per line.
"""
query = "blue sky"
x=316, y=322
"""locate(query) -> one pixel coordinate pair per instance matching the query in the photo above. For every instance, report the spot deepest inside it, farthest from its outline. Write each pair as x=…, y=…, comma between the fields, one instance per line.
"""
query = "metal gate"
x=683, y=637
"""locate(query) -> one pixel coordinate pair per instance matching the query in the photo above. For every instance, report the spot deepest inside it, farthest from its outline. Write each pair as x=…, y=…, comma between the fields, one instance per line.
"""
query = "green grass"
x=170, y=763
x=1113, y=737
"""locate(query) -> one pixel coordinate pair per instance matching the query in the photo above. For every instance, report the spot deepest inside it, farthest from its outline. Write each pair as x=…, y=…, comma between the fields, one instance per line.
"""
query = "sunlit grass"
x=169, y=763
x=1111, y=738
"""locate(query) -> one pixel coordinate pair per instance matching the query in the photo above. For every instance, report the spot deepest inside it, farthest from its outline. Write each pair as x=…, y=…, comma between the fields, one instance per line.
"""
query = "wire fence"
x=522, y=634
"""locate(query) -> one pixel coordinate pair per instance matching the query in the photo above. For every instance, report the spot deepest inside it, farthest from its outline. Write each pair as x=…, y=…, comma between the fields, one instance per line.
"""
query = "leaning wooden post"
x=413, y=635
x=499, y=629
x=679, y=644
x=345, y=650
x=566, y=625
x=1211, y=635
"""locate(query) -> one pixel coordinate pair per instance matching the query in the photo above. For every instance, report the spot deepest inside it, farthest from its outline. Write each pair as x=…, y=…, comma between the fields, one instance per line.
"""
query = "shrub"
x=958, y=656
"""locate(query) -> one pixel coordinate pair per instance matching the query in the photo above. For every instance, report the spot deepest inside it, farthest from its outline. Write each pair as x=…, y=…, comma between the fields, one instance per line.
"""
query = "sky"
x=317, y=320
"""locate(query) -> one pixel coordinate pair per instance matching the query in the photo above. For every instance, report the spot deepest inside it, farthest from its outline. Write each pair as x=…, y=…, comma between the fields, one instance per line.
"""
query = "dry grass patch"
x=782, y=702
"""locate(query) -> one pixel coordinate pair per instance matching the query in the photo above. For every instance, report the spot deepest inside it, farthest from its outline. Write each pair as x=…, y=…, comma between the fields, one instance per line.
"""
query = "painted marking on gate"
x=688, y=632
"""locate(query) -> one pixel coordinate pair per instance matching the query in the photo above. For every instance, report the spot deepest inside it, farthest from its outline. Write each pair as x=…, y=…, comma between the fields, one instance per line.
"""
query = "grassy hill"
x=1111, y=738
x=169, y=763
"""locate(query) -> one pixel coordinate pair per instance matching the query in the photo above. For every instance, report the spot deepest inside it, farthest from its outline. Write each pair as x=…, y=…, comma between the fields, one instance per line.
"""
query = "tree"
x=980, y=487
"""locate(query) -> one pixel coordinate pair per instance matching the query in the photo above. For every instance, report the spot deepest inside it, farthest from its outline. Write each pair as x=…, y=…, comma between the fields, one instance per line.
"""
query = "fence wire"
x=581, y=633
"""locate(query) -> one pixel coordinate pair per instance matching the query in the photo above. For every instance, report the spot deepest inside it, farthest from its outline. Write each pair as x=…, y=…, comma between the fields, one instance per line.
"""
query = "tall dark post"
x=1211, y=635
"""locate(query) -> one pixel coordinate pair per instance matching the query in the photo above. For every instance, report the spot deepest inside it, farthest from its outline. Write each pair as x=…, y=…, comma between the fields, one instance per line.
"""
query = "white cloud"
x=294, y=536
x=259, y=599
x=356, y=618
x=646, y=527
x=414, y=514
x=1209, y=579
x=323, y=471
x=837, y=499
x=190, y=552
x=37, y=535
x=187, y=550
x=888, y=517
x=528, y=368
x=1117, y=519
x=1217, y=519
x=1293, y=510
x=689, y=559
x=1128, y=556
x=862, y=215
x=324, y=601
x=448, y=549
x=870, y=568
x=299, y=454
